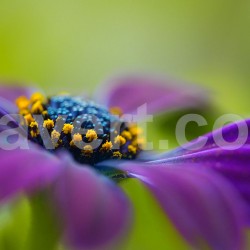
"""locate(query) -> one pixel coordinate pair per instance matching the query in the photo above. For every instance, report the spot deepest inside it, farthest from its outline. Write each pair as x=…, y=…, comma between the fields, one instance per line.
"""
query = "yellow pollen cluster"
x=37, y=97
x=120, y=140
x=37, y=108
x=34, y=125
x=67, y=128
x=45, y=113
x=49, y=124
x=91, y=135
x=34, y=129
x=134, y=130
x=127, y=135
x=116, y=111
x=32, y=105
x=138, y=141
x=76, y=139
x=34, y=133
x=22, y=103
x=28, y=119
x=55, y=135
x=107, y=146
x=87, y=150
x=24, y=112
x=132, y=149
x=117, y=155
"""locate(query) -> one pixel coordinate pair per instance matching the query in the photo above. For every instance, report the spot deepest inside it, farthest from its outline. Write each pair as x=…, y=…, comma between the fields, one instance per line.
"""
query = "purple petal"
x=8, y=121
x=7, y=106
x=11, y=93
x=4, y=126
x=202, y=205
x=232, y=136
x=159, y=94
x=232, y=163
x=26, y=171
x=94, y=210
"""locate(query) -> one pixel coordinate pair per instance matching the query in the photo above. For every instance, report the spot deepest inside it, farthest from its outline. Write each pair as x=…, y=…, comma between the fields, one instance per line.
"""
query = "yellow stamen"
x=37, y=97
x=34, y=125
x=23, y=112
x=139, y=142
x=117, y=155
x=45, y=113
x=107, y=146
x=126, y=135
x=37, y=108
x=34, y=133
x=120, y=140
x=55, y=135
x=34, y=129
x=87, y=150
x=76, y=139
x=22, y=102
x=132, y=149
x=91, y=135
x=134, y=130
x=67, y=128
x=49, y=124
x=116, y=111
x=28, y=118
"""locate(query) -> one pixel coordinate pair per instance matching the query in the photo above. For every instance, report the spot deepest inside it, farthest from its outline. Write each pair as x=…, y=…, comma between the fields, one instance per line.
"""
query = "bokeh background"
x=75, y=45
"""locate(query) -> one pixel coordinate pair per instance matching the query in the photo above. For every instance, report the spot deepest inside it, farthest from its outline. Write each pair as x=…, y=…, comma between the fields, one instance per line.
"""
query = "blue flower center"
x=90, y=132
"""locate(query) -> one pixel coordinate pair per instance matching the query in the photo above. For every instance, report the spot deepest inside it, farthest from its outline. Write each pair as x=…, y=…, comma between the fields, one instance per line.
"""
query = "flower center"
x=90, y=132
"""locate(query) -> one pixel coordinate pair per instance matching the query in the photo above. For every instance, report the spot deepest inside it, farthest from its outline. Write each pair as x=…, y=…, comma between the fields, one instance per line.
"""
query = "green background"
x=75, y=45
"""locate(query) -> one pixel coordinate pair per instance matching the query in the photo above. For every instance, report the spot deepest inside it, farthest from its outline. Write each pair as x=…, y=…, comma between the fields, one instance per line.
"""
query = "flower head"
x=73, y=124
x=78, y=148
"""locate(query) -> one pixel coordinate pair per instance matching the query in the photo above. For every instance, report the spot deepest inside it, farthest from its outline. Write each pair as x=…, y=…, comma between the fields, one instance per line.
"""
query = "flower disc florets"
x=88, y=131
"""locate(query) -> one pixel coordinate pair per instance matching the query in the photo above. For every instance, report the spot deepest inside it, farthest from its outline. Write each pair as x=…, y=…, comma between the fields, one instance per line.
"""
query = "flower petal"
x=160, y=95
x=11, y=93
x=26, y=171
x=203, y=206
x=94, y=210
x=9, y=121
x=232, y=136
x=232, y=163
x=4, y=126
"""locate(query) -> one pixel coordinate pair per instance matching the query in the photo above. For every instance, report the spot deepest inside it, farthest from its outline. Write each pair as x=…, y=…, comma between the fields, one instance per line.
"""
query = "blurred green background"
x=75, y=45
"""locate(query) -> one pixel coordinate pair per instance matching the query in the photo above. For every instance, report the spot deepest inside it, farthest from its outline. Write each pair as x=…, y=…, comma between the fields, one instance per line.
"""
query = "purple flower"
x=205, y=192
